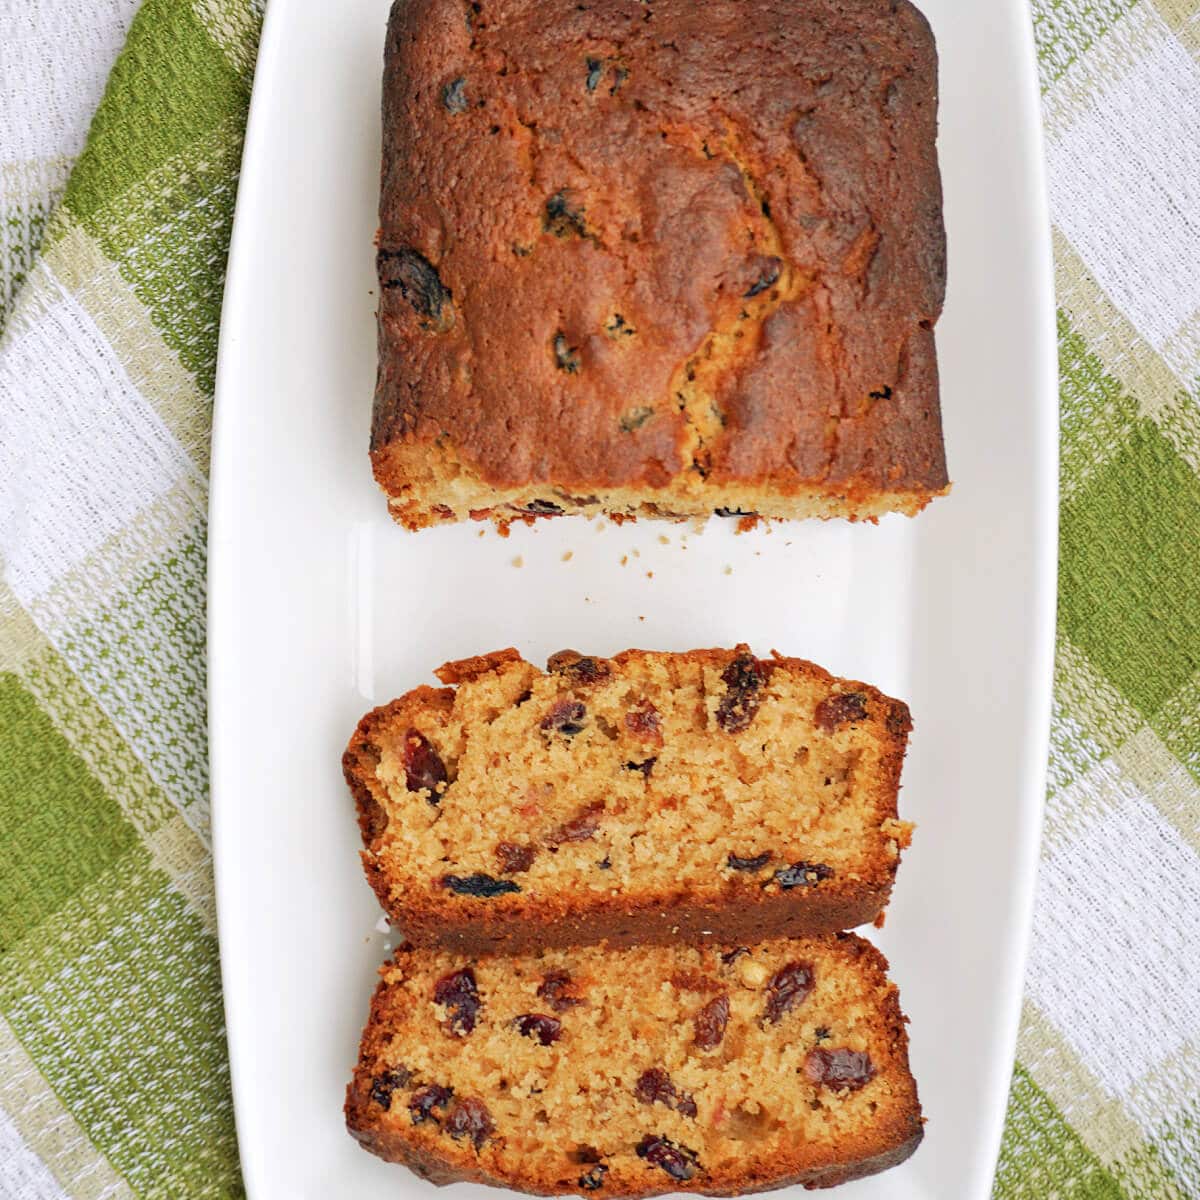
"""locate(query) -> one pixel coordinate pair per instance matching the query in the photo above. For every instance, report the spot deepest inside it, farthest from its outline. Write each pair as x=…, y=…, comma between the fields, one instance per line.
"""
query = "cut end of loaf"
x=443, y=499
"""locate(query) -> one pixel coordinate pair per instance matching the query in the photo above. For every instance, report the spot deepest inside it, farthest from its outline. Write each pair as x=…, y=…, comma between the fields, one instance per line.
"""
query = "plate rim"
x=221, y=586
x=1044, y=629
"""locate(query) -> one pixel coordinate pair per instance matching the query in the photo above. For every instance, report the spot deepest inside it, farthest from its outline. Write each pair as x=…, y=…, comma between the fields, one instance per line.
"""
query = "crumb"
x=568, y=555
x=636, y=552
x=641, y=618
x=502, y=528
x=518, y=561
x=879, y=920
x=649, y=574
x=482, y=532
x=745, y=524
x=624, y=560
x=728, y=569
x=662, y=537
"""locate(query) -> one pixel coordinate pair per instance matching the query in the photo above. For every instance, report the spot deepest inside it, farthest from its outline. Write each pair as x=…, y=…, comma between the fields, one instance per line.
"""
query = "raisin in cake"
x=638, y=798
x=712, y=1069
x=664, y=259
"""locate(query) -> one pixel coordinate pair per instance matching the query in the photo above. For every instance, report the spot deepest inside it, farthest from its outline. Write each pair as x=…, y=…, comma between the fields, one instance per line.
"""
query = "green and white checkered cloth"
x=113, y=1078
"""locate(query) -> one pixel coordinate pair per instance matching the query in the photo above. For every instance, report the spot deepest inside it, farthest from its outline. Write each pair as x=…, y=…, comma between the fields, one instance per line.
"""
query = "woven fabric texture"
x=120, y=140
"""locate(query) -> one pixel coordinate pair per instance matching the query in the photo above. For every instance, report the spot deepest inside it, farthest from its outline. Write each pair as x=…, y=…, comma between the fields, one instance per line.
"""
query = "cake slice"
x=639, y=798
x=689, y=1068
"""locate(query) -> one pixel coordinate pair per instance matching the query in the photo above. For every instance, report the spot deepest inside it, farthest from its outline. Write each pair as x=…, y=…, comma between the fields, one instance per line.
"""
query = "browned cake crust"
x=642, y=798
x=664, y=258
x=713, y=1069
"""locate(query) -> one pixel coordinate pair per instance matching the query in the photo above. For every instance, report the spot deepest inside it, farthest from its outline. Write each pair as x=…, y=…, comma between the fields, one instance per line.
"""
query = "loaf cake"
x=664, y=259
x=708, y=794
x=711, y=1069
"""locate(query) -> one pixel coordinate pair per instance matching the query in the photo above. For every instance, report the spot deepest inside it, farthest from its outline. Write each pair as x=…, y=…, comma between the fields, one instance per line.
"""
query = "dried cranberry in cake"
x=541, y=508
x=424, y=1102
x=580, y=828
x=756, y=863
x=460, y=996
x=593, y=1178
x=562, y=218
x=470, y=1118
x=840, y=1069
x=767, y=269
x=643, y=721
x=483, y=887
x=656, y=1087
x=579, y=668
x=566, y=356
x=539, y=1027
x=555, y=990
x=678, y=1161
x=454, y=96
x=731, y=956
x=418, y=281
x=383, y=1085
x=710, y=1023
x=842, y=708
x=788, y=987
x=565, y=717
x=423, y=766
x=514, y=858
x=803, y=874
x=744, y=679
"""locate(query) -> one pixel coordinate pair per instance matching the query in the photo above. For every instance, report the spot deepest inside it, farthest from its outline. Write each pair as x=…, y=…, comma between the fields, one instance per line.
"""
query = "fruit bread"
x=711, y=1069
x=664, y=258
x=639, y=798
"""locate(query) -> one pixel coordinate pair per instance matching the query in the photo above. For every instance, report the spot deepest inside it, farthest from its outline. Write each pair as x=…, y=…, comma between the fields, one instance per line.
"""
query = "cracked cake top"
x=658, y=257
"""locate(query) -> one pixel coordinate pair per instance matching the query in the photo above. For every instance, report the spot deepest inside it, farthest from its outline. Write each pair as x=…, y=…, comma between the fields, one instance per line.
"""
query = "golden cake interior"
x=746, y=1061
x=647, y=776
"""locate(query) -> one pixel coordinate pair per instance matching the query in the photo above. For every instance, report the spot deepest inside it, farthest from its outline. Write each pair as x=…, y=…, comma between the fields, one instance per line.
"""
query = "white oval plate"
x=320, y=607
